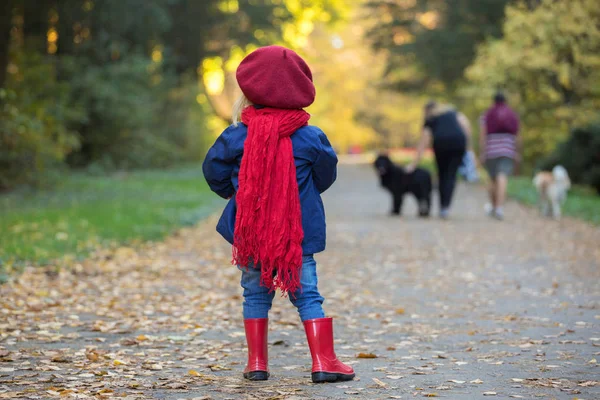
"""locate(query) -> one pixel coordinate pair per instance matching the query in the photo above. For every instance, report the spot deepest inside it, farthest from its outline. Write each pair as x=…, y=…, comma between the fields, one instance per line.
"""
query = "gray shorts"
x=500, y=165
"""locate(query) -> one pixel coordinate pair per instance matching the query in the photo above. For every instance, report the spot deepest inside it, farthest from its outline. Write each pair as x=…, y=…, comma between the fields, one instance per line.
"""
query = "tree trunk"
x=5, y=27
x=35, y=24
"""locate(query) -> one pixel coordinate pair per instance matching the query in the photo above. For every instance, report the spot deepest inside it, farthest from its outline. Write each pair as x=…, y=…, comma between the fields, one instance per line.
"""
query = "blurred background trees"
x=545, y=54
x=121, y=84
x=127, y=83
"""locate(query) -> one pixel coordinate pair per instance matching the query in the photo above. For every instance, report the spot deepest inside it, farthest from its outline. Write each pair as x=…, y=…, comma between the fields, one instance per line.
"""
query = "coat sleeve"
x=325, y=166
x=218, y=167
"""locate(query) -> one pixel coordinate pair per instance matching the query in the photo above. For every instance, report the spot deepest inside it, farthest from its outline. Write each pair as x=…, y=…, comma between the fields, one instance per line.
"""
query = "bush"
x=35, y=112
x=580, y=155
x=122, y=114
x=137, y=114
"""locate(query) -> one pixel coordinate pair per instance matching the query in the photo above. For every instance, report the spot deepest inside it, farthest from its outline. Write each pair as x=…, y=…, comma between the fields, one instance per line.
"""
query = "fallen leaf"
x=477, y=381
x=489, y=393
x=366, y=355
x=10, y=395
x=176, y=385
x=380, y=383
x=394, y=377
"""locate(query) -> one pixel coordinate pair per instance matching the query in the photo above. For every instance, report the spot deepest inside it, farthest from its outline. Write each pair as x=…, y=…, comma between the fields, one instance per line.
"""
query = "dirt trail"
x=457, y=309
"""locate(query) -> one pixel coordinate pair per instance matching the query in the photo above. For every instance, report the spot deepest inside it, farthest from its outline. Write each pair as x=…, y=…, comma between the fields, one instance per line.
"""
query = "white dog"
x=552, y=188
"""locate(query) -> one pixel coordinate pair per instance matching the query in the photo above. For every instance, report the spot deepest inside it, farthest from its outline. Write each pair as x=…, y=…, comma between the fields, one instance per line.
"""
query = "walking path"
x=458, y=309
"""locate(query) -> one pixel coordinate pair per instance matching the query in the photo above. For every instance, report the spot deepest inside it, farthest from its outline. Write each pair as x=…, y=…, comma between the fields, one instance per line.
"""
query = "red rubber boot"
x=258, y=355
x=326, y=367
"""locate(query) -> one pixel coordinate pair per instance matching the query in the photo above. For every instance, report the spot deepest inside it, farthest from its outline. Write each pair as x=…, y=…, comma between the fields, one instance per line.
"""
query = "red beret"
x=274, y=76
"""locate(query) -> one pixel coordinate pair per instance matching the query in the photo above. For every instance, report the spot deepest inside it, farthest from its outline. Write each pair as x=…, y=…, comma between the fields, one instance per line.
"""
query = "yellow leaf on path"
x=366, y=355
x=141, y=338
x=119, y=362
x=430, y=394
x=400, y=311
x=193, y=372
x=380, y=383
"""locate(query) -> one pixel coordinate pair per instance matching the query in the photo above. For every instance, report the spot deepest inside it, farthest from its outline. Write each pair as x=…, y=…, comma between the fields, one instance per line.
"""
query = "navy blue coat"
x=315, y=170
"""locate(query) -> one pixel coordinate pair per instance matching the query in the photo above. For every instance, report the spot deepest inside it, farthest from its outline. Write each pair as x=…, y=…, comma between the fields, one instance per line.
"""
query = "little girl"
x=273, y=167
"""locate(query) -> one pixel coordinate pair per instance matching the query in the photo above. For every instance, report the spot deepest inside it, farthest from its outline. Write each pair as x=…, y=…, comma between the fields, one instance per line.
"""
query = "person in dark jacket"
x=273, y=167
x=450, y=132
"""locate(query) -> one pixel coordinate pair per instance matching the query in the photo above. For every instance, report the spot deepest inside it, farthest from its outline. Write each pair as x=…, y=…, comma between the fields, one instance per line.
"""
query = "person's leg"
x=492, y=192
x=441, y=161
x=307, y=299
x=257, y=299
x=454, y=160
x=503, y=171
x=490, y=167
x=448, y=163
x=257, y=303
x=319, y=330
x=500, y=194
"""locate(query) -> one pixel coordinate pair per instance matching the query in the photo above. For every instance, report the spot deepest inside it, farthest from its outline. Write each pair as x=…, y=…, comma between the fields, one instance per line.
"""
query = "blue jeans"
x=258, y=300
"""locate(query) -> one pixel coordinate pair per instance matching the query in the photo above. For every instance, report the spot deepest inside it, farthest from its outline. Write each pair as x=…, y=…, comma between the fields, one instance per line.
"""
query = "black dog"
x=394, y=179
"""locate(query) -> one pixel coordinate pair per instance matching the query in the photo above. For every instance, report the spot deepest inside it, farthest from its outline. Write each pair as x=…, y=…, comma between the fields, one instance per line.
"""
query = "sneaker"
x=489, y=209
x=498, y=214
x=444, y=213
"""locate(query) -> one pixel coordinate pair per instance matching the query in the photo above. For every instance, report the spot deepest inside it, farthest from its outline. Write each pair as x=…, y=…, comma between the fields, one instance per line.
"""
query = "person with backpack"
x=499, y=151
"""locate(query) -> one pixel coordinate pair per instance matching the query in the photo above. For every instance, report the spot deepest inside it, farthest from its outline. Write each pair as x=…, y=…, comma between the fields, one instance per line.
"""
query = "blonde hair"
x=239, y=105
x=433, y=109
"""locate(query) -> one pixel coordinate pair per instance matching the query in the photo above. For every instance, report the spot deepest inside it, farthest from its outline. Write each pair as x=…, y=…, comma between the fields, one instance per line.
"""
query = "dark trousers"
x=447, y=162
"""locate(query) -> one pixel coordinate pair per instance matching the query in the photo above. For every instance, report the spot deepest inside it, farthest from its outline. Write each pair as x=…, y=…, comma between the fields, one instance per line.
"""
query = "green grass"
x=582, y=202
x=85, y=212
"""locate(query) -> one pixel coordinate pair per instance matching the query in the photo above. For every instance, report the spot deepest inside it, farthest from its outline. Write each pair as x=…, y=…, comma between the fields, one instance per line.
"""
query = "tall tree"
x=549, y=60
x=431, y=42
x=6, y=8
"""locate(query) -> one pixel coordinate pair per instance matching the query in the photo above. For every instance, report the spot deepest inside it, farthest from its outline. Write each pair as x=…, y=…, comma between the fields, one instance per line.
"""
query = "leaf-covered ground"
x=462, y=309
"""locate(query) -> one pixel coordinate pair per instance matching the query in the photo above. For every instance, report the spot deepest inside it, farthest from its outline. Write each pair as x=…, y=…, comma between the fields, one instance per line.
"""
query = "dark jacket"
x=447, y=132
x=315, y=170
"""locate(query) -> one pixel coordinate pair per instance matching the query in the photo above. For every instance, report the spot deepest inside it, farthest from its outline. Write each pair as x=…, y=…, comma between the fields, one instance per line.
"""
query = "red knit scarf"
x=268, y=226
